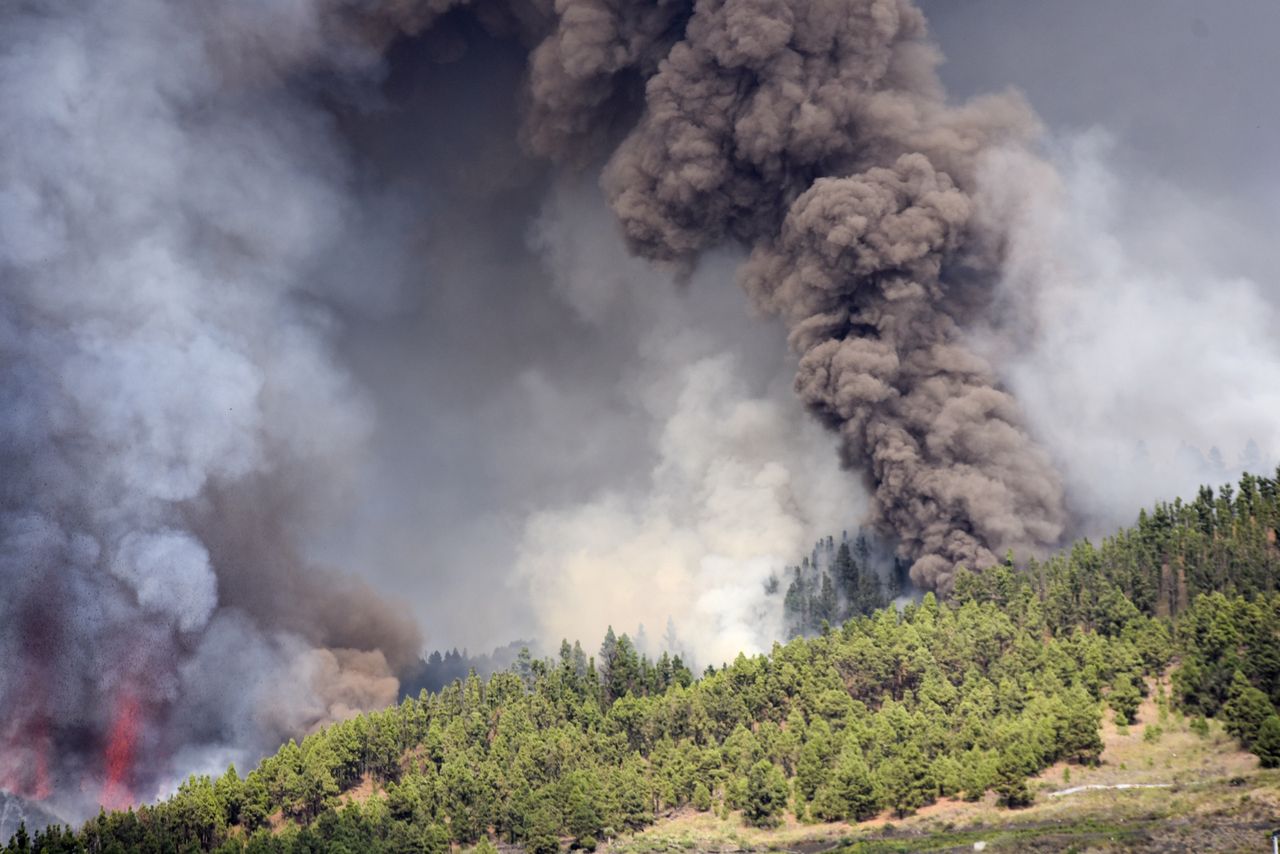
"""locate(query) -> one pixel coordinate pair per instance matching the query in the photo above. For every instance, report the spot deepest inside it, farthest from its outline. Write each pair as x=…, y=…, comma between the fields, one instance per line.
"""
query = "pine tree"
x=1245, y=710
x=904, y=780
x=1267, y=744
x=1078, y=736
x=796, y=605
x=1124, y=698
x=850, y=792
x=230, y=793
x=846, y=571
x=826, y=609
x=605, y=661
x=20, y=842
x=1011, y=777
x=1012, y=788
x=701, y=797
x=544, y=826
x=766, y=795
x=624, y=670
x=582, y=816
x=811, y=770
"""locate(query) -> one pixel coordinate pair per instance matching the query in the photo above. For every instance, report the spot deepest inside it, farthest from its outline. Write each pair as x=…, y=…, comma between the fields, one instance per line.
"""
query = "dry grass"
x=1179, y=756
x=1218, y=800
x=360, y=792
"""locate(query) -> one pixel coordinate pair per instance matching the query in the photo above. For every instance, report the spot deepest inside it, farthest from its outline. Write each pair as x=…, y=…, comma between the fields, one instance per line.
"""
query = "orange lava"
x=122, y=744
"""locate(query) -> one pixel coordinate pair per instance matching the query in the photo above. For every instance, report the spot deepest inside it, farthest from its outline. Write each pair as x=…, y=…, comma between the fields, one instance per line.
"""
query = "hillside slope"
x=1160, y=785
x=960, y=701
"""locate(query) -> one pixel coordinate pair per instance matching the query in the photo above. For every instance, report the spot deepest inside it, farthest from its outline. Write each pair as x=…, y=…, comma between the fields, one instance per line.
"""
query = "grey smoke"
x=857, y=273
x=163, y=189
x=1143, y=271
x=169, y=572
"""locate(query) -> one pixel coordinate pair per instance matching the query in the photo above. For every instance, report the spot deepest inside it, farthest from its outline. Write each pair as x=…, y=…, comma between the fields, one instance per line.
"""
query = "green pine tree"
x=701, y=797
x=1267, y=744
x=849, y=794
x=765, y=796
x=1245, y=710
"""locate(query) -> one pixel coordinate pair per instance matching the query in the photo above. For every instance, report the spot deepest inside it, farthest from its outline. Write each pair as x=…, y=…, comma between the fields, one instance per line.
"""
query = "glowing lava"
x=121, y=746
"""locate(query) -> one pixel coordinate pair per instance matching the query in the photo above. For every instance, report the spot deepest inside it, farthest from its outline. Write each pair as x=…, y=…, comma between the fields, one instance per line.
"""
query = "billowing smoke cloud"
x=163, y=190
x=874, y=268
x=699, y=543
x=739, y=480
x=857, y=273
x=270, y=279
x=1145, y=369
x=177, y=415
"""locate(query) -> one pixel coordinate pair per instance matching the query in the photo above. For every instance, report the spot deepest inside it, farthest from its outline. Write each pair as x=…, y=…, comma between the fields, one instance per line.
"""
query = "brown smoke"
x=173, y=390
x=246, y=530
x=857, y=274
x=817, y=134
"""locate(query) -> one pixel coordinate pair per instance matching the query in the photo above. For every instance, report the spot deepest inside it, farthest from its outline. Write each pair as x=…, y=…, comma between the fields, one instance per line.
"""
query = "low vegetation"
x=971, y=700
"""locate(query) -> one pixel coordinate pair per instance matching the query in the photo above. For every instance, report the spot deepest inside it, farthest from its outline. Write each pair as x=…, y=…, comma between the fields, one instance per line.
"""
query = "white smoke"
x=170, y=572
x=741, y=480
x=1145, y=365
x=163, y=193
x=742, y=486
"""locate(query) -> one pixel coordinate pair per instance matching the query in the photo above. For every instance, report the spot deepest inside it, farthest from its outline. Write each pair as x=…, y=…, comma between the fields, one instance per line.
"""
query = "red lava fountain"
x=121, y=746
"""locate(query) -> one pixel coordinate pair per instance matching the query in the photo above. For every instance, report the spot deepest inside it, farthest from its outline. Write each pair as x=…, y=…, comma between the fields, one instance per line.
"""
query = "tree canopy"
x=888, y=710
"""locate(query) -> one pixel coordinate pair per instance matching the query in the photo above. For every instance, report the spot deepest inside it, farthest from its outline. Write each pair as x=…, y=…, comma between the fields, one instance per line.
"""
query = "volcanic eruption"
x=177, y=405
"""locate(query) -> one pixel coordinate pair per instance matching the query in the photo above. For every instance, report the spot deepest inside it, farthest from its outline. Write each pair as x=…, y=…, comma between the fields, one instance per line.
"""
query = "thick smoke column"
x=856, y=272
x=175, y=406
x=167, y=395
x=817, y=134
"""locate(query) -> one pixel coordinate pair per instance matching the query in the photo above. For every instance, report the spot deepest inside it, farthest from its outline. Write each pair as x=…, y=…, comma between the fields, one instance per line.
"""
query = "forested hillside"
x=890, y=711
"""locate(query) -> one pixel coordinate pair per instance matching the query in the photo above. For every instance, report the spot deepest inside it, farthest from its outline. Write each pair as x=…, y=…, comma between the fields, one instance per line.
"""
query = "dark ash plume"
x=817, y=134
x=857, y=274
x=175, y=410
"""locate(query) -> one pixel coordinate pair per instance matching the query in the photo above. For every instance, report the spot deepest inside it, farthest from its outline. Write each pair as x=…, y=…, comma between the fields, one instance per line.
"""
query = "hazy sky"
x=1187, y=89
